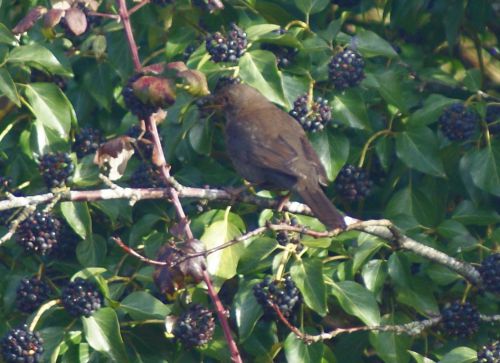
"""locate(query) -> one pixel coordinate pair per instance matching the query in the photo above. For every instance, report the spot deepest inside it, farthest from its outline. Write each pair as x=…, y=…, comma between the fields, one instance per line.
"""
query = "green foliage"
x=421, y=56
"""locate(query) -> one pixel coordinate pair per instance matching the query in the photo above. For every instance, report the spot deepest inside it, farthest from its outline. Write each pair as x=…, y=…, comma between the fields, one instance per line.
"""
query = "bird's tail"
x=321, y=206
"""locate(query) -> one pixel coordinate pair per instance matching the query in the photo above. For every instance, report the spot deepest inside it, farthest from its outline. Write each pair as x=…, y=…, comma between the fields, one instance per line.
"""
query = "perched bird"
x=268, y=147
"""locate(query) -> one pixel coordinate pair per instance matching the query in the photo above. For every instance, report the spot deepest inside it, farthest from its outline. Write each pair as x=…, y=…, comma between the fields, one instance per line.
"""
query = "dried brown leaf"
x=76, y=20
x=29, y=20
x=115, y=154
x=52, y=18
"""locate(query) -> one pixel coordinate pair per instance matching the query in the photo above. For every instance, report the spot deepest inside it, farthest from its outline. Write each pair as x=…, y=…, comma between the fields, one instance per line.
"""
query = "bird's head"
x=237, y=96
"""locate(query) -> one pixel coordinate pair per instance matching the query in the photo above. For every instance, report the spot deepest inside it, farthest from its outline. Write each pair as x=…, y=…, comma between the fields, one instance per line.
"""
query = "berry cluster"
x=195, y=326
x=284, y=55
x=346, y=69
x=81, y=298
x=39, y=232
x=490, y=273
x=56, y=168
x=460, y=320
x=147, y=176
x=458, y=122
x=134, y=104
x=31, y=293
x=353, y=183
x=287, y=298
x=493, y=119
x=225, y=81
x=21, y=345
x=66, y=245
x=227, y=49
x=314, y=118
x=87, y=141
x=489, y=353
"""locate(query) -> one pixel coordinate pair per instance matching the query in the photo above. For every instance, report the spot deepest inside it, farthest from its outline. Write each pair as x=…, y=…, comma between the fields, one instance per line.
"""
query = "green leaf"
x=247, y=310
x=51, y=107
x=420, y=358
x=470, y=213
x=8, y=88
x=430, y=111
x=86, y=172
x=332, y=150
x=392, y=347
x=460, y=355
x=99, y=82
x=296, y=351
x=6, y=36
x=368, y=245
x=255, y=252
x=371, y=45
x=358, y=301
x=43, y=139
x=258, y=69
x=374, y=274
x=390, y=85
x=254, y=32
x=91, y=252
x=485, y=167
x=102, y=332
x=309, y=7
x=78, y=217
x=222, y=264
x=332, y=30
x=308, y=276
x=37, y=55
x=418, y=148
x=350, y=108
x=141, y=305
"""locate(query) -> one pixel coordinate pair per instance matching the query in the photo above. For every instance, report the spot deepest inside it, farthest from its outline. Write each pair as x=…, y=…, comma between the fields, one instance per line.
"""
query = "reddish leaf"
x=195, y=81
x=157, y=68
x=52, y=18
x=154, y=90
x=29, y=20
x=76, y=20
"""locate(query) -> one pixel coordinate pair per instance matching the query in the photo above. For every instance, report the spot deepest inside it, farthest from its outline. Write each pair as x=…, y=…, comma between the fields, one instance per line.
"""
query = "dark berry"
x=284, y=55
x=195, y=326
x=458, y=122
x=147, y=176
x=39, y=233
x=31, y=293
x=353, y=183
x=490, y=273
x=313, y=118
x=489, y=353
x=346, y=69
x=227, y=48
x=285, y=296
x=188, y=52
x=460, y=320
x=87, y=141
x=209, y=5
x=493, y=119
x=282, y=238
x=55, y=168
x=81, y=298
x=5, y=185
x=39, y=76
x=66, y=245
x=134, y=104
x=21, y=345
x=225, y=81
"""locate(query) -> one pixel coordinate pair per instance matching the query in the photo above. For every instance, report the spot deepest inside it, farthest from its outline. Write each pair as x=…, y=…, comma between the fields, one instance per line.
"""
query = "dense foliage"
x=401, y=101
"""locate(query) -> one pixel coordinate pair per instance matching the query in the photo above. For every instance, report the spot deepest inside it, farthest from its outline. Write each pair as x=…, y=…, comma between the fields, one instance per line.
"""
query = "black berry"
x=458, y=122
x=285, y=296
x=81, y=298
x=189, y=51
x=31, y=293
x=134, y=104
x=493, y=119
x=227, y=48
x=55, y=168
x=87, y=141
x=460, y=320
x=147, y=176
x=313, y=118
x=209, y=5
x=66, y=244
x=21, y=345
x=225, y=81
x=144, y=144
x=39, y=233
x=346, y=69
x=490, y=273
x=284, y=55
x=353, y=183
x=490, y=353
x=195, y=326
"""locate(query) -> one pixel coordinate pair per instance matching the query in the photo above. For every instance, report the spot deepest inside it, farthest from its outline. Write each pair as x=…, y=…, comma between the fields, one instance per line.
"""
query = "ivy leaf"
x=6, y=36
x=420, y=358
x=392, y=347
x=296, y=351
x=258, y=69
x=247, y=310
x=351, y=110
x=418, y=148
x=460, y=355
x=430, y=111
x=309, y=7
x=308, y=276
x=374, y=274
x=358, y=301
x=484, y=167
x=92, y=251
x=51, y=107
x=38, y=56
x=102, y=332
x=78, y=217
x=372, y=45
x=8, y=88
x=141, y=305
x=332, y=150
x=257, y=31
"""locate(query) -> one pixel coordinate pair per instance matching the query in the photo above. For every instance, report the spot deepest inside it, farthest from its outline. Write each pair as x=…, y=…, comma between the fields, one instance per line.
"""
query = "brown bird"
x=269, y=147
